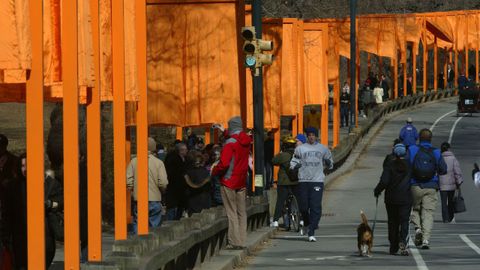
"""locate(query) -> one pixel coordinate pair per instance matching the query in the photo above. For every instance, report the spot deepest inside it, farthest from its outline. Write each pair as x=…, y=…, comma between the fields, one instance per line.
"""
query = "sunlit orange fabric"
x=315, y=76
x=333, y=54
x=289, y=88
x=193, y=71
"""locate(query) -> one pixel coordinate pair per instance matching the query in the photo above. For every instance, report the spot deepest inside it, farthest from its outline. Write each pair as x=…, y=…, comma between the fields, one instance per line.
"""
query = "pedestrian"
x=408, y=133
x=395, y=180
x=346, y=87
x=176, y=166
x=311, y=156
x=450, y=76
x=344, y=107
x=17, y=211
x=441, y=80
x=157, y=184
x=409, y=86
x=197, y=178
x=300, y=139
x=378, y=94
x=449, y=183
x=285, y=186
x=391, y=156
x=215, y=179
x=268, y=155
x=427, y=164
x=232, y=168
x=386, y=87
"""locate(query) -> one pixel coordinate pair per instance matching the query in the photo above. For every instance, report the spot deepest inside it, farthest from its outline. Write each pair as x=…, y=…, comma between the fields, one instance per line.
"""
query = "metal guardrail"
x=182, y=244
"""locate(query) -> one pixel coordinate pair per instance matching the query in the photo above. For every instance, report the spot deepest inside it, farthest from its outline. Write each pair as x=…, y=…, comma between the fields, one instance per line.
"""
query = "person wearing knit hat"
x=311, y=157
x=232, y=169
x=301, y=139
x=157, y=184
x=395, y=180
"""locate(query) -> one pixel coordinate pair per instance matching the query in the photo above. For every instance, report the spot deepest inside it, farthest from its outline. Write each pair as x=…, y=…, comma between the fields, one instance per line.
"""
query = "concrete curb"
x=227, y=260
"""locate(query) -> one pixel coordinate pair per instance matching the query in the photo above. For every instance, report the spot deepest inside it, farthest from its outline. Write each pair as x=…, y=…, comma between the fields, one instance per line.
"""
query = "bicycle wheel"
x=294, y=213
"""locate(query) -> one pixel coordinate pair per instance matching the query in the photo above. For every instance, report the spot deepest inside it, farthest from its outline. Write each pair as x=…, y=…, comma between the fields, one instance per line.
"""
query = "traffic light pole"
x=258, y=124
x=353, y=62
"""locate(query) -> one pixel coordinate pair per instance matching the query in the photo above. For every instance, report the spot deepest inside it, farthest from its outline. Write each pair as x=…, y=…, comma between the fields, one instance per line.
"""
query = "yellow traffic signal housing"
x=253, y=49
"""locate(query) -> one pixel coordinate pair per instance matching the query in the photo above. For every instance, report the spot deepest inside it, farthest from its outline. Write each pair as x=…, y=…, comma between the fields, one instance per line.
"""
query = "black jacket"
x=395, y=180
x=177, y=188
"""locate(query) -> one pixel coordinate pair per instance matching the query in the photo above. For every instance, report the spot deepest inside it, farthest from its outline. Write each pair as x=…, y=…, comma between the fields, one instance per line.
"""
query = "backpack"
x=424, y=165
x=291, y=173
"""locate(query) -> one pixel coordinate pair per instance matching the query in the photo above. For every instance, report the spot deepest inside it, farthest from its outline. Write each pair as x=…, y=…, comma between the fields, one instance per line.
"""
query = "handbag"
x=459, y=202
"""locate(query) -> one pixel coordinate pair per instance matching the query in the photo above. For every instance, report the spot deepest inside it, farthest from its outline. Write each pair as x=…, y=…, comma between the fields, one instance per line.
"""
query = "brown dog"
x=365, y=237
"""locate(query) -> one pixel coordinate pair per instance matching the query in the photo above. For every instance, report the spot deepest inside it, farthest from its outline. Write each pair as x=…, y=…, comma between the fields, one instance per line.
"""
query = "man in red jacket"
x=232, y=168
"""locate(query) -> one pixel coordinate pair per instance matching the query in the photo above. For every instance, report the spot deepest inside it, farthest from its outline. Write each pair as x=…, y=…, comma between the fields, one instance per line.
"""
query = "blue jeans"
x=344, y=115
x=154, y=215
x=310, y=203
x=174, y=213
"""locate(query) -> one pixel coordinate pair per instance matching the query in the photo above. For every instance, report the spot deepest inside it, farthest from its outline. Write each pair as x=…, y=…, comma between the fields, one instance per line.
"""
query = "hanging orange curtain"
x=193, y=72
x=289, y=87
x=315, y=53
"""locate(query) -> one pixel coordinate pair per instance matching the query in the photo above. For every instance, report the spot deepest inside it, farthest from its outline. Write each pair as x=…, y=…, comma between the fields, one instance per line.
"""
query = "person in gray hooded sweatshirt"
x=311, y=157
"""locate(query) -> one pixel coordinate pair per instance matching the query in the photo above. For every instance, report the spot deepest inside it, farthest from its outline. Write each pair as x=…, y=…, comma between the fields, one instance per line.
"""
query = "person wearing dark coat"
x=268, y=155
x=395, y=180
x=176, y=165
x=17, y=210
x=197, y=178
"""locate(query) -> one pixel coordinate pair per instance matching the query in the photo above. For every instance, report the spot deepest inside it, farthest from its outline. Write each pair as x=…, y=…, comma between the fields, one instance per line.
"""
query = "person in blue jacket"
x=427, y=164
x=408, y=134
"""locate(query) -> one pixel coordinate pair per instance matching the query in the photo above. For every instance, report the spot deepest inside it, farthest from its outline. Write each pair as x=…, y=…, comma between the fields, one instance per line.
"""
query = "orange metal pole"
x=425, y=58
x=357, y=78
x=466, y=45
x=414, y=67
x=94, y=149
x=142, y=116
x=324, y=124
x=301, y=75
x=276, y=150
x=477, y=22
x=404, y=66
x=119, y=145
x=208, y=138
x=395, y=79
x=70, y=132
x=179, y=133
x=35, y=140
x=435, y=65
x=455, y=71
x=295, y=126
x=336, y=112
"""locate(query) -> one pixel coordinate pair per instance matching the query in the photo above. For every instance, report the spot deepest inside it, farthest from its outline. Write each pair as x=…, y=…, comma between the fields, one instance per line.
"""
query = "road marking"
x=298, y=259
x=331, y=258
x=417, y=256
x=470, y=243
x=440, y=118
x=453, y=130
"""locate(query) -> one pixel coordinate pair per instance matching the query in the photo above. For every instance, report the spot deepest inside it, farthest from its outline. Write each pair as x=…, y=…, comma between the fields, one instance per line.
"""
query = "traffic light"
x=254, y=48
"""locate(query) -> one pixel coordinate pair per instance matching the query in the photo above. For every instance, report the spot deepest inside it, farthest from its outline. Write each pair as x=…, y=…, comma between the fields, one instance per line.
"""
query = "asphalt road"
x=453, y=246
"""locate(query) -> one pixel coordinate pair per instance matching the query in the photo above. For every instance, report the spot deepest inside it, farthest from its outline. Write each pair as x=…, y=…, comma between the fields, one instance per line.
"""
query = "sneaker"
x=274, y=224
x=425, y=244
x=312, y=239
x=403, y=250
x=452, y=221
x=418, y=237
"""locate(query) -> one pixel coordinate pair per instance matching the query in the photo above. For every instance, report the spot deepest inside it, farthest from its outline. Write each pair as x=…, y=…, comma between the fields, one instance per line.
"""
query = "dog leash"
x=375, y=217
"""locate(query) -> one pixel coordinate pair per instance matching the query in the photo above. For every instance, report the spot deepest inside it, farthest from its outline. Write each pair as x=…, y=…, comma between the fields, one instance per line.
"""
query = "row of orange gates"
x=186, y=53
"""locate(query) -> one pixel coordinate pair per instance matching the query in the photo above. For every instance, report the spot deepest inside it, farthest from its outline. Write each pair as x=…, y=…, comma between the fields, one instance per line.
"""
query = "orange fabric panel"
x=333, y=54
x=473, y=27
x=106, y=92
x=15, y=42
x=316, y=89
x=193, y=75
x=289, y=98
x=131, y=87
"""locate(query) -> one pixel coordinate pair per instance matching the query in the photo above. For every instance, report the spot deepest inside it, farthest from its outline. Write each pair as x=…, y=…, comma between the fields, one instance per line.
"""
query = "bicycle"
x=292, y=214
